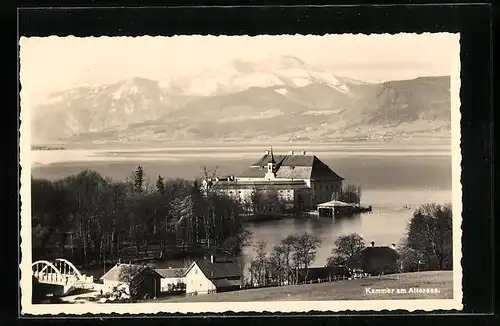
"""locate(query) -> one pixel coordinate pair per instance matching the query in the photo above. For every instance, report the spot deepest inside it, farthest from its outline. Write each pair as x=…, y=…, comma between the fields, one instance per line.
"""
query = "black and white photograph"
x=282, y=173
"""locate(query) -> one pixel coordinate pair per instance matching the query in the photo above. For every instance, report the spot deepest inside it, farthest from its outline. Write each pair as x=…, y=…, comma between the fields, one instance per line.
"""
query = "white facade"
x=197, y=282
x=245, y=194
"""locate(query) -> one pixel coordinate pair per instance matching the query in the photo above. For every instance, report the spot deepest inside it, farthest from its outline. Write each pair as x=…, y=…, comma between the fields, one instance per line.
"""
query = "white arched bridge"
x=63, y=273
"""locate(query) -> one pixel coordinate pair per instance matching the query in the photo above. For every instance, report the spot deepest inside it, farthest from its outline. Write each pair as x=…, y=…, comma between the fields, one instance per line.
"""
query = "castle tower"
x=271, y=167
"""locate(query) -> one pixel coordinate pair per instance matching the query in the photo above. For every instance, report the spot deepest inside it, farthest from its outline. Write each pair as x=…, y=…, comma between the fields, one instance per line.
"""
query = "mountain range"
x=278, y=100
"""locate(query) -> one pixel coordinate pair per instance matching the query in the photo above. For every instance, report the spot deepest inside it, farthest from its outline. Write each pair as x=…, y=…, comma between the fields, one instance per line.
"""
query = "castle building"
x=300, y=180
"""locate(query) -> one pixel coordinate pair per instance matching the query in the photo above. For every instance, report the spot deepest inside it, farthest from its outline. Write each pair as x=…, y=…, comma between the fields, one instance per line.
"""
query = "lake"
x=392, y=177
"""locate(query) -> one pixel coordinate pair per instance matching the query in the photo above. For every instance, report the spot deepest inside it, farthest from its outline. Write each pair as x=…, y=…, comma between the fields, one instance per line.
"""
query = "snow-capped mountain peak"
x=281, y=98
x=286, y=71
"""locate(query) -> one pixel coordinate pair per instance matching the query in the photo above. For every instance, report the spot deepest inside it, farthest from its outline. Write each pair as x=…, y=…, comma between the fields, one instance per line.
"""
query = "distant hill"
x=282, y=100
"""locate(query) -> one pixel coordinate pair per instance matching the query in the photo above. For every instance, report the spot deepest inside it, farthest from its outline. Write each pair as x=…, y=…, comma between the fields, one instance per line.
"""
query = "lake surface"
x=391, y=177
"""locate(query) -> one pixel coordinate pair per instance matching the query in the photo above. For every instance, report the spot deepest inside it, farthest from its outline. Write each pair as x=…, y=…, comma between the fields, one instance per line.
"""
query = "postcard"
x=205, y=174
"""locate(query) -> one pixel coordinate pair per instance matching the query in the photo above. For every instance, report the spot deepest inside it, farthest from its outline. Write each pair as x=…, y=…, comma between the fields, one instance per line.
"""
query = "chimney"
x=267, y=152
x=393, y=246
x=212, y=259
x=291, y=152
x=303, y=152
x=373, y=243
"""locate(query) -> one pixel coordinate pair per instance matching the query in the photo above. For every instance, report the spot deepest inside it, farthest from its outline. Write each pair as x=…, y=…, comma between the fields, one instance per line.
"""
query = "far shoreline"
x=423, y=142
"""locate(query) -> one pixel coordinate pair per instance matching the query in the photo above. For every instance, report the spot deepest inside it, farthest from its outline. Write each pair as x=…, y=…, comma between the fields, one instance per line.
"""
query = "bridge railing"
x=55, y=278
x=52, y=277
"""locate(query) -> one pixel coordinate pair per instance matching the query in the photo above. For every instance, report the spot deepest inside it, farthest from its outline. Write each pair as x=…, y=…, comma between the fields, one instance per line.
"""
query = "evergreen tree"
x=138, y=179
x=160, y=185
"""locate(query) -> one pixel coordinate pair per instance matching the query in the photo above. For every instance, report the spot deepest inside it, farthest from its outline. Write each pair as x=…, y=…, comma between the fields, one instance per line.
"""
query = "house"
x=375, y=260
x=146, y=281
x=173, y=278
x=210, y=276
x=299, y=179
x=326, y=273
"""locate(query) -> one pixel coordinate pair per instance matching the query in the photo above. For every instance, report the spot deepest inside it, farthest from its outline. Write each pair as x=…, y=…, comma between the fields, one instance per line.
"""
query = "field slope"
x=342, y=290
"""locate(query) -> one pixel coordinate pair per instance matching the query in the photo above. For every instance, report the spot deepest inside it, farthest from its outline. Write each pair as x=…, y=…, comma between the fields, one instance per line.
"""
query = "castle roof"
x=292, y=167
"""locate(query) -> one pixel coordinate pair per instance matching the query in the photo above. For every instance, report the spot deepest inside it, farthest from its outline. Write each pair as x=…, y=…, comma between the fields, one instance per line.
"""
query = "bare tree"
x=256, y=200
x=294, y=252
x=359, y=192
x=351, y=194
x=410, y=260
x=430, y=234
x=288, y=253
x=307, y=245
x=260, y=259
x=276, y=264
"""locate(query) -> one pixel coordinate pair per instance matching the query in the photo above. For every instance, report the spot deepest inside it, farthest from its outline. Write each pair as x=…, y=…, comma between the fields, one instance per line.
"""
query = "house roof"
x=171, y=272
x=364, y=256
x=225, y=283
x=293, y=167
x=217, y=270
x=335, y=203
x=121, y=272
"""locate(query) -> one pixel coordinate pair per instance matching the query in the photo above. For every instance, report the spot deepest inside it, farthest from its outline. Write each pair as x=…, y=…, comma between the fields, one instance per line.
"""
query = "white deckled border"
x=25, y=198
x=27, y=308
x=456, y=170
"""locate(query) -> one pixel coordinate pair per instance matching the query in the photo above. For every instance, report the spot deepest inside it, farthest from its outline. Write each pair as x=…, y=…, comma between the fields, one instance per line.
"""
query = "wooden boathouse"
x=335, y=208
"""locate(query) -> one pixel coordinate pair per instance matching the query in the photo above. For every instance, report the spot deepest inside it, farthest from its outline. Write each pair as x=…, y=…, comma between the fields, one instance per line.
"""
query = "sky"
x=54, y=63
